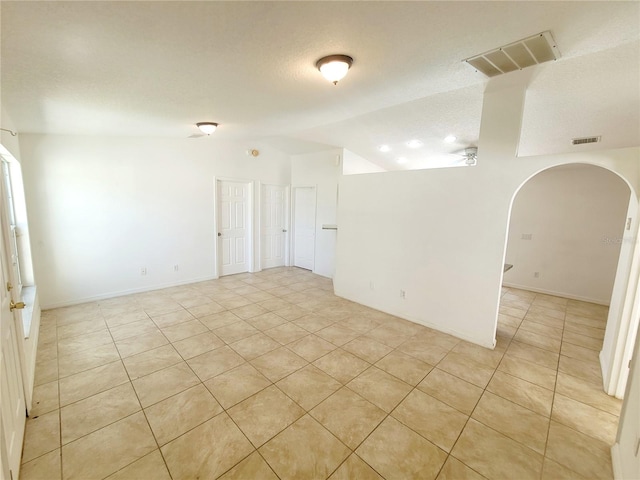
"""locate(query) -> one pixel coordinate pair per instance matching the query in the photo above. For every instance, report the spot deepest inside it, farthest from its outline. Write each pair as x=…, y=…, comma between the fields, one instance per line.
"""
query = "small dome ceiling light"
x=414, y=143
x=334, y=67
x=207, y=127
x=450, y=138
x=384, y=148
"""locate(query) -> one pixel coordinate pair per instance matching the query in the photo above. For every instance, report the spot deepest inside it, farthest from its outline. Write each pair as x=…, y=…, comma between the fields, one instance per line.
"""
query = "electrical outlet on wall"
x=372, y=285
x=143, y=270
x=176, y=268
x=403, y=294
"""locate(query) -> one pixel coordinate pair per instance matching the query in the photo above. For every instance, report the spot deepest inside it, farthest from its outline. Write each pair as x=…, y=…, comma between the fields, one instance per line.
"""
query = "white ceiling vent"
x=524, y=53
x=582, y=141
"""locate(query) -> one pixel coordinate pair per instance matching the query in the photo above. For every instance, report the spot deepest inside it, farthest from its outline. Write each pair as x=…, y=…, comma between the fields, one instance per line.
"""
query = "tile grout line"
x=143, y=413
x=272, y=382
x=553, y=397
x=287, y=346
x=449, y=454
x=544, y=454
x=59, y=400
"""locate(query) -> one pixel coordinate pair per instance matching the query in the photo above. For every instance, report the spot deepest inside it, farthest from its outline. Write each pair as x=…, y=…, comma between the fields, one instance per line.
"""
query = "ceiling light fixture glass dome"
x=334, y=67
x=207, y=127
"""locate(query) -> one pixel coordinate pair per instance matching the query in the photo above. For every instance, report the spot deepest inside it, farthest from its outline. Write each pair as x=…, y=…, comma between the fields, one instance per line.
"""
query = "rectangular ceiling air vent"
x=582, y=141
x=524, y=53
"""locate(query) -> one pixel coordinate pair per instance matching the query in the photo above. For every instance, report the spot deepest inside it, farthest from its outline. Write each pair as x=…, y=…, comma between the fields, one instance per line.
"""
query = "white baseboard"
x=616, y=461
x=557, y=294
x=604, y=370
x=150, y=288
x=491, y=345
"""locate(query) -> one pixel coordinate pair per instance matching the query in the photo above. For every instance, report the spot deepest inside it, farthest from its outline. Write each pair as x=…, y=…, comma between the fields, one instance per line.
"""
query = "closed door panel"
x=233, y=236
x=304, y=219
x=273, y=226
x=12, y=399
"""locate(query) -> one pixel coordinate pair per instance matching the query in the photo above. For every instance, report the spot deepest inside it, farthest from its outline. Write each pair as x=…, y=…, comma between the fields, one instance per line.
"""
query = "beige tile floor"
x=269, y=375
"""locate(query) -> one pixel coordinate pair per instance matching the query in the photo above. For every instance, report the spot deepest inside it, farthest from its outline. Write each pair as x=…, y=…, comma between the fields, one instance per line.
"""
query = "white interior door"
x=304, y=227
x=10, y=231
x=12, y=400
x=273, y=225
x=233, y=227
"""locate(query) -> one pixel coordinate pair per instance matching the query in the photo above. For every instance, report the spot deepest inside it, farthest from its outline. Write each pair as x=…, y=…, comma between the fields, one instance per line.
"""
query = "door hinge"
x=629, y=223
x=9, y=287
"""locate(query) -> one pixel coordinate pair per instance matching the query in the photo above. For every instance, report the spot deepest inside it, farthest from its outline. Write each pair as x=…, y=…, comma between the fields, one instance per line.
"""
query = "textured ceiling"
x=156, y=68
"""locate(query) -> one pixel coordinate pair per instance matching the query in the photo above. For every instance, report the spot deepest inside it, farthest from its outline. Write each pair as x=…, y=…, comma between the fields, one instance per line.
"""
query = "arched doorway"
x=569, y=237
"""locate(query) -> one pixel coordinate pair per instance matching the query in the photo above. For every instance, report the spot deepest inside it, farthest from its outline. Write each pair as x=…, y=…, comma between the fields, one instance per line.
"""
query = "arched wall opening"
x=569, y=235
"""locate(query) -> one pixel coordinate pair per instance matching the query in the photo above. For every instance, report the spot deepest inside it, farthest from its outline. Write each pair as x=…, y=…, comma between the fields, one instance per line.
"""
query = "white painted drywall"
x=101, y=208
x=8, y=141
x=353, y=164
x=321, y=170
x=624, y=453
x=440, y=235
x=623, y=318
x=575, y=217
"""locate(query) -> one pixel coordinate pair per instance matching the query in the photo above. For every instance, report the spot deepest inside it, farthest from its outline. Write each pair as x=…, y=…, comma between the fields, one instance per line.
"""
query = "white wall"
x=7, y=140
x=100, y=208
x=624, y=453
x=321, y=170
x=440, y=235
x=576, y=216
x=353, y=164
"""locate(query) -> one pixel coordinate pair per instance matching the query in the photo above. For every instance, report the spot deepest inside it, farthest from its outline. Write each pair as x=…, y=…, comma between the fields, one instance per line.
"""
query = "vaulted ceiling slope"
x=156, y=68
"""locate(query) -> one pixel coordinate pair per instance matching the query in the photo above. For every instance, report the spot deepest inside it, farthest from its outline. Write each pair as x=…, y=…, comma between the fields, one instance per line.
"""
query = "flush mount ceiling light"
x=384, y=148
x=414, y=144
x=334, y=67
x=450, y=138
x=207, y=127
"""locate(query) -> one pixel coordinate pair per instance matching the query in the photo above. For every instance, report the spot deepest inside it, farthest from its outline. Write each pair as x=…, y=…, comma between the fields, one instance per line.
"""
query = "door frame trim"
x=292, y=251
x=250, y=222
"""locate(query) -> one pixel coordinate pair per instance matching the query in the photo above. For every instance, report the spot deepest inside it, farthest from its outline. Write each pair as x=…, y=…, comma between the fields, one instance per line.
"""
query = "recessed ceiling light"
x=450, y=138
x=414, y=144
x=384, y=148
x=401, y=160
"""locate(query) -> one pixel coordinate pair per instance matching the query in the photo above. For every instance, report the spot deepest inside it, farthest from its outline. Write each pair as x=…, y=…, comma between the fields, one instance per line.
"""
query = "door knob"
x=219, y=234
x=16, y=306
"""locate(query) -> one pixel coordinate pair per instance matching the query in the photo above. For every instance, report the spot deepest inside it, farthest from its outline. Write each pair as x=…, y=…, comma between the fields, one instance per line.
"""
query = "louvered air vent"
x=524, y=53
x=582, y=141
